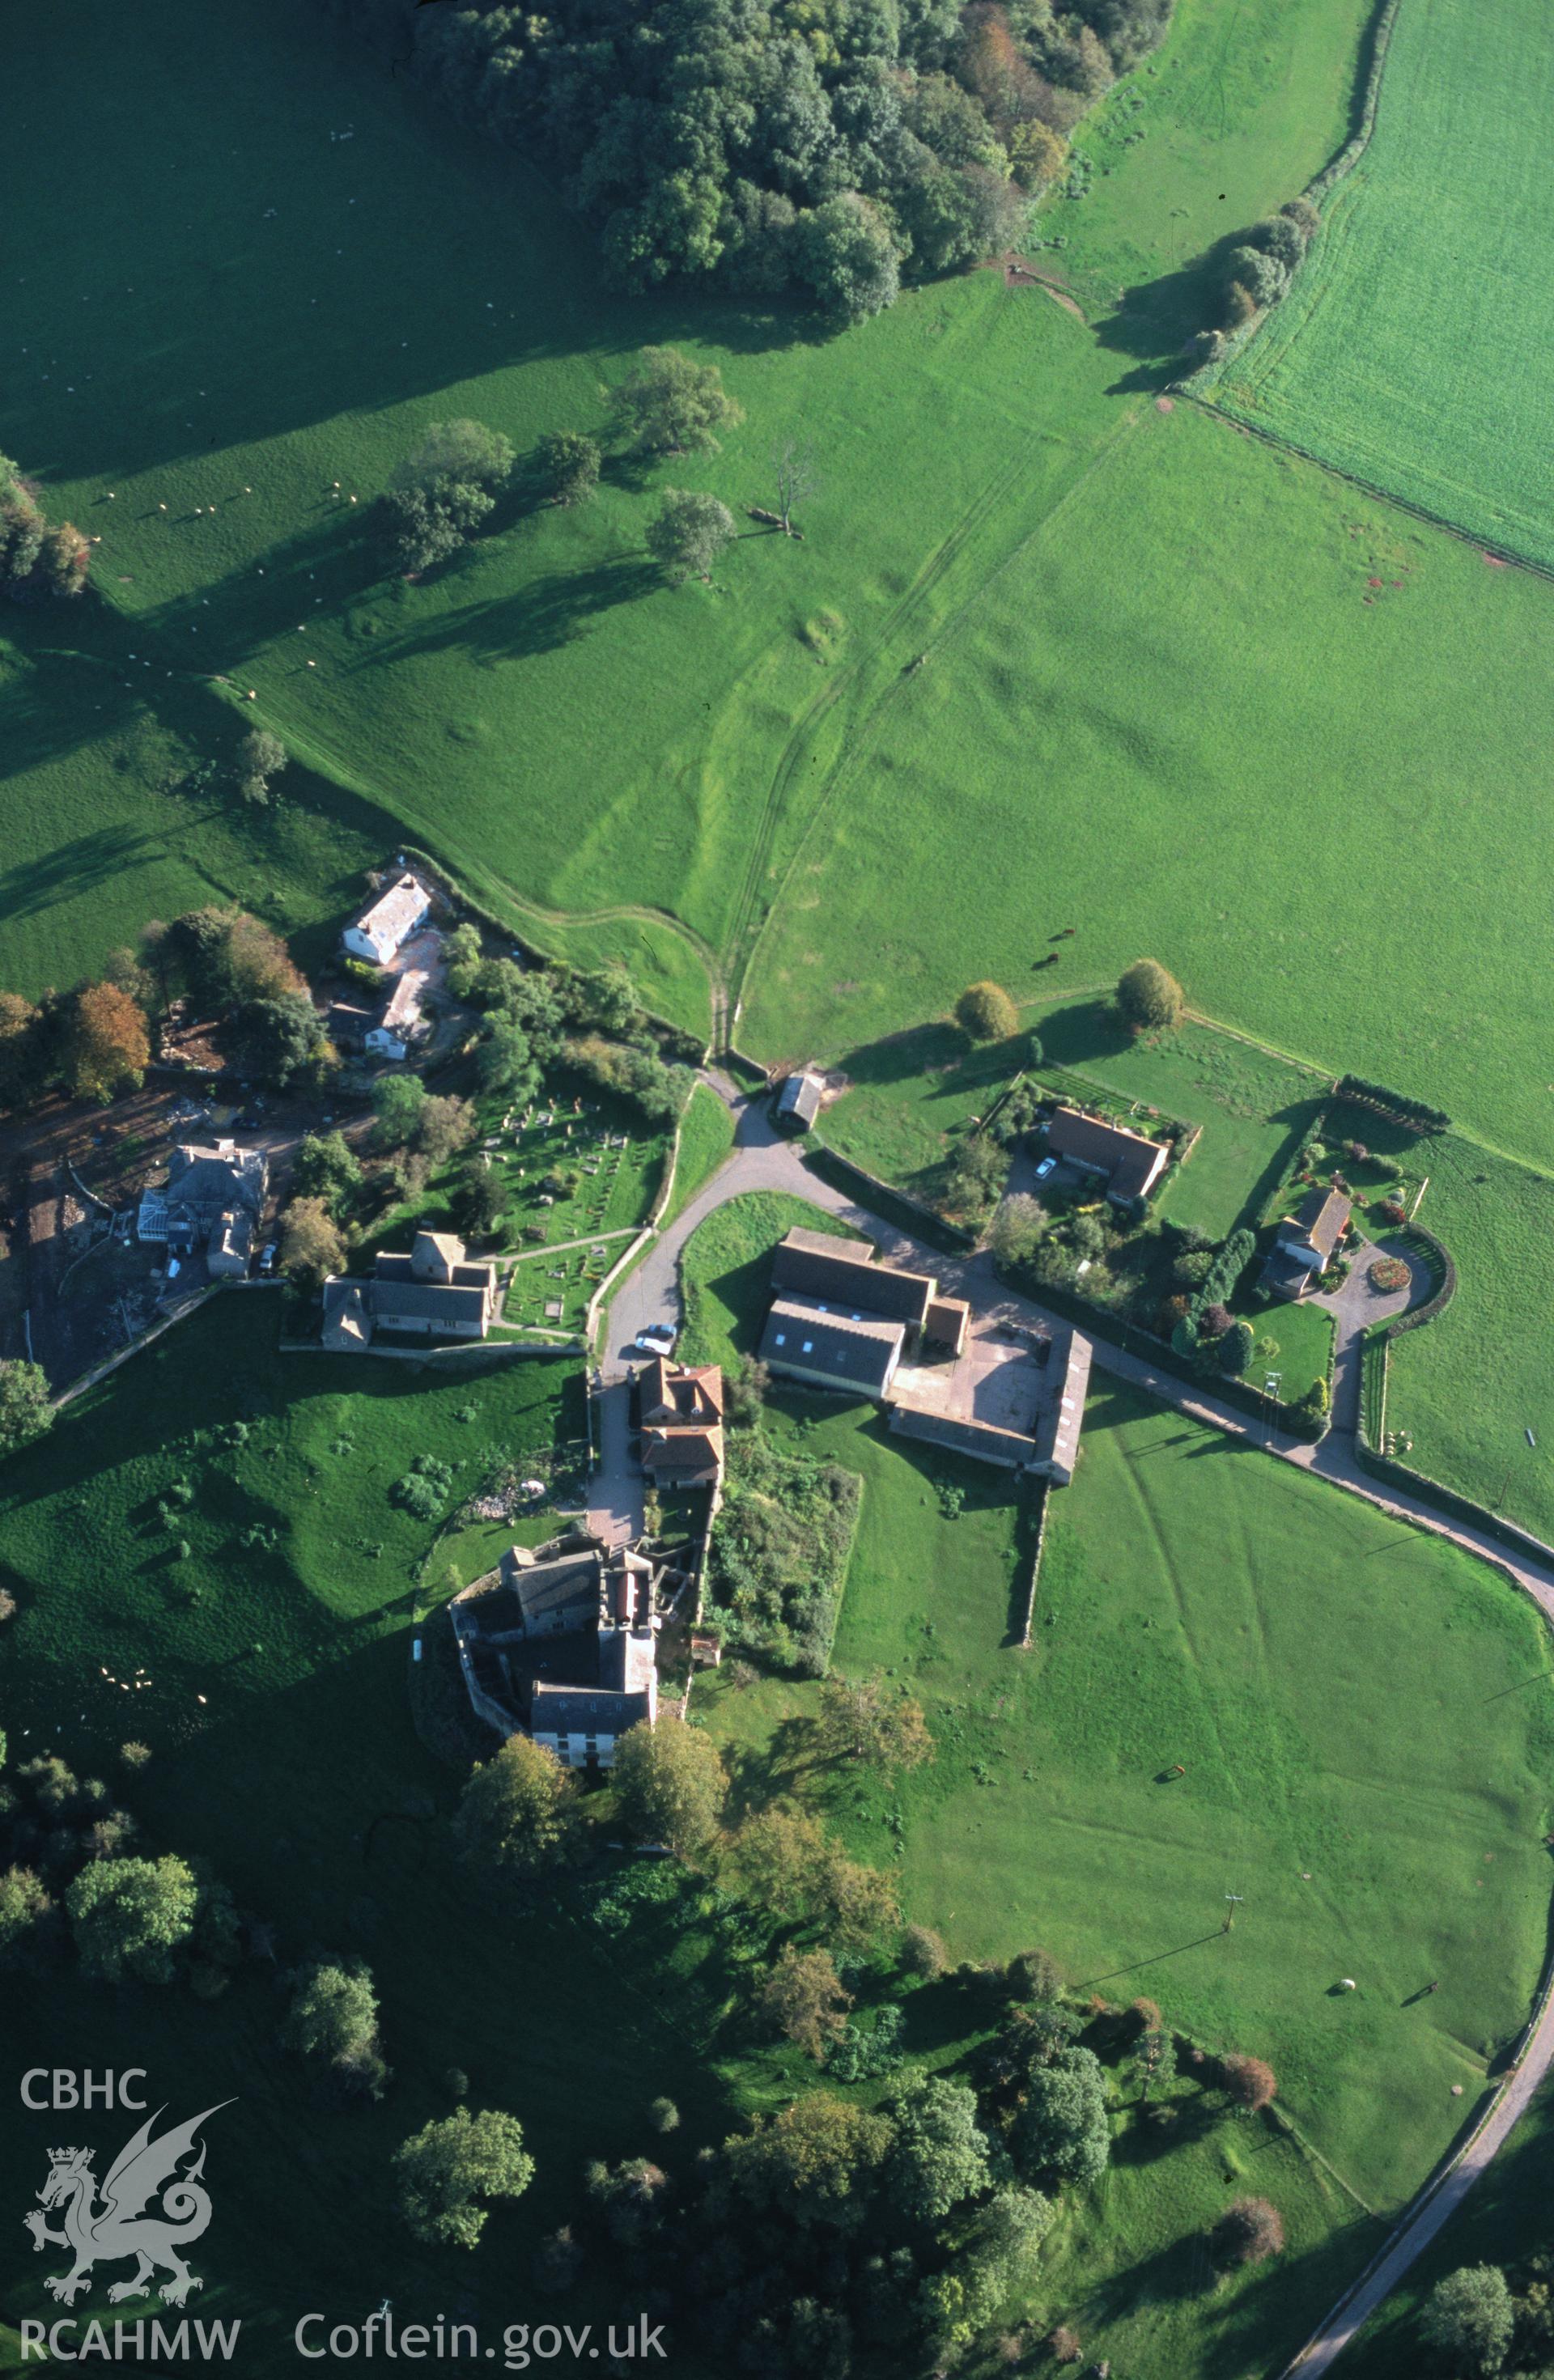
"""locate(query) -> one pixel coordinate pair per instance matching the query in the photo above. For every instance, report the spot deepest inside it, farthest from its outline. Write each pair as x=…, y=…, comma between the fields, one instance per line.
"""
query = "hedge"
x=892, y=1206
x=1413, y=1113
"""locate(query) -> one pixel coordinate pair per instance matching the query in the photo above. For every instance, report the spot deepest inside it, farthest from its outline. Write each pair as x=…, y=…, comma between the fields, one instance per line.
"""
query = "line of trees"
x=826, y=145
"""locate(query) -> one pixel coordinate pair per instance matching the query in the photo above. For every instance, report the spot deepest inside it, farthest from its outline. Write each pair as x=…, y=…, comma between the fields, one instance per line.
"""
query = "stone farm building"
x=560, y=1643
x=681, y=1413
x=798, y=1103
x=433, y=1293
x=390, y=920
x=842, y=1320
x=1125, y=1163
x=1305, y=1242
x=213, y=1199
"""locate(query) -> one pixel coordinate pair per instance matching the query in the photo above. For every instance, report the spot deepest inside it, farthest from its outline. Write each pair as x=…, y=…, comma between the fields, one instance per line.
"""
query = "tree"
x=399, y=1103
x=1262, y=276
x=1150, y=1000
x=792, y=469
x=446, y=2168
x=803, y=1999
x=479, y=1201
x=1250, y=2082
x=845, y=251
x=1017, y=1228
x=1318, y=1399
x=978, y=1172
x=518, y=1811
x=462, y=957
x=859, y=1902
x=460, y=450
x=22, y=1058
x=670, y=406
x=569, y=465
x=1235, y=1348
x=327, y=1169
x=632, y=2198
x=258, y=962
x=691, y=531
x=260, y=756
x=1470, y=2317
x=446, y=1125
x=939, y=2156
x=63, y=560
x=985, y=1013
x=504, y=1059
x=27, y=1916
x=857, y=1720
x=818, y=2160
x=670, y=1784
x=333, y=2020
x=312, y=1247
x=1248, y=2232
x=1280, y=237
x=923, y=1954
x=280, y=1041
x=440, y=494
x=664, y=2115
x=104, y=1045
x=1061, y=2133
x=129, y=1915
x=26, y=1407
x=1034, y=1975
x=781, y=1854
x=1154, y=2056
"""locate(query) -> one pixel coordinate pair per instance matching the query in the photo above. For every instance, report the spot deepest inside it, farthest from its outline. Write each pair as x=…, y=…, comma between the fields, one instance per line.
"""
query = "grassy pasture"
x=1186, y=1584
x=303, y=1781
x=1411, y=349
x=706, y=1137
x=1147, y=663
x=1122, y=623
x=1470, y=1384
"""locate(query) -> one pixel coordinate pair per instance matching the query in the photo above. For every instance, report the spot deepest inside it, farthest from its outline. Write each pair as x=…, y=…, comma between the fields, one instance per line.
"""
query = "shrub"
x=1235, y=1349
x=1063, y=2345
x=1303, y=214
x=1214, y=1321
x=1250, y=2082
x=1034, y=1976
x=1248, y=2232
x=1204, y=347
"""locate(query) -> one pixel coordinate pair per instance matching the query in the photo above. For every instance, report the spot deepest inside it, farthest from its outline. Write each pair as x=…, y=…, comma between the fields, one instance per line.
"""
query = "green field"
x=1199, y=1604
x=1470, y=1384
x=302, y=1779
x=1411, y=349
x=706, y=1137
x=911, y=1099
x=1122, y=610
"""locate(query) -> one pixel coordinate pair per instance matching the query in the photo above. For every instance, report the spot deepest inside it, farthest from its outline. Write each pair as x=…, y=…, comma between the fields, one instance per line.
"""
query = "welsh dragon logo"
x=100, y=2232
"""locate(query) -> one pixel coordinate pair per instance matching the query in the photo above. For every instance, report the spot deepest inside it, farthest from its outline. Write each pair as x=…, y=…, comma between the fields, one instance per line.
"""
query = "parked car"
x=661, y=1334
x=1048, y=1165
x=267, y=1256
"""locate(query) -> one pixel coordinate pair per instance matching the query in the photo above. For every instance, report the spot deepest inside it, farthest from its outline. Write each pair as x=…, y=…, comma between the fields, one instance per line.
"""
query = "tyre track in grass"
x=742, y=961
x=746, y=922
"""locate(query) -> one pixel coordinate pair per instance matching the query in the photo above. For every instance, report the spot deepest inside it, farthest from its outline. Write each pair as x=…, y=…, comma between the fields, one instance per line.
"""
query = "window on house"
x=808, y=1348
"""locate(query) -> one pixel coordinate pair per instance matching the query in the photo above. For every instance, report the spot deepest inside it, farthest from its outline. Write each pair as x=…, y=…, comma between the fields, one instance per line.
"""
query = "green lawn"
x=1470, y=1384
x=725, y=1271
x=914, y=1096
x=1410, y=351
x=1201, y=1603
x=706, y=1137
x=302, y=1780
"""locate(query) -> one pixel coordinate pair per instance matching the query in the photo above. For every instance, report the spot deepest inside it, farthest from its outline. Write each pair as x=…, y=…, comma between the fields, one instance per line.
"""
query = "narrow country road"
x=761, y=1160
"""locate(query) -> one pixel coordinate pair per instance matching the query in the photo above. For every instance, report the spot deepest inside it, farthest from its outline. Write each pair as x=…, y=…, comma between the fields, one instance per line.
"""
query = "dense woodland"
x=827, y=144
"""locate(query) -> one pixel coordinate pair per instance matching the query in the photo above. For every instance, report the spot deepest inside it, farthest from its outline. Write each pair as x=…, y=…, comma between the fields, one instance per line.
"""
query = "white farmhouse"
x=394, y=916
